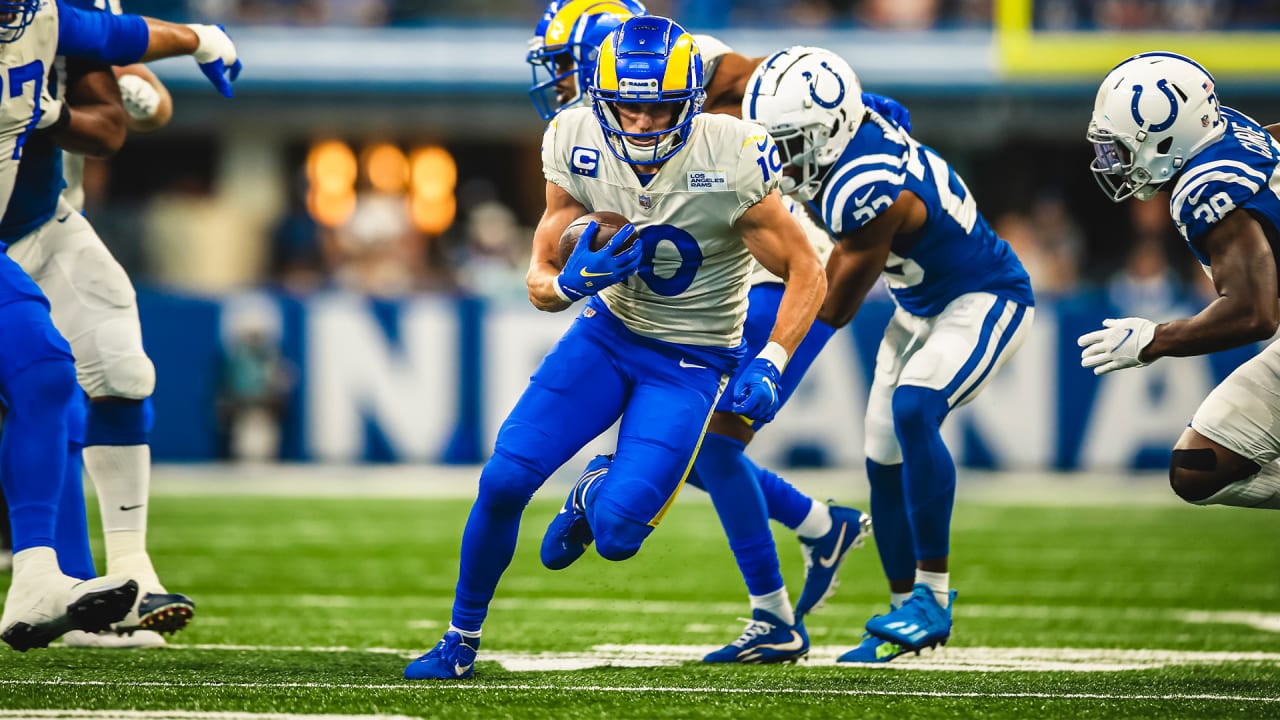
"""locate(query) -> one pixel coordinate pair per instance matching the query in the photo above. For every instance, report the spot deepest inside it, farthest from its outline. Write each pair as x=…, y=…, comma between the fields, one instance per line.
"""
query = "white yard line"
x=183, y=715
x=973, y=659
x=524, y=687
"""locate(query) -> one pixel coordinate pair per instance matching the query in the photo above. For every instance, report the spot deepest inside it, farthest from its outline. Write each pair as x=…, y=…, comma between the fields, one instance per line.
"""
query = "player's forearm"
x=848, y=282
x=95, y=130
x=169, y=40
x=1227, y=323
x=541, y=282
x=806, y=286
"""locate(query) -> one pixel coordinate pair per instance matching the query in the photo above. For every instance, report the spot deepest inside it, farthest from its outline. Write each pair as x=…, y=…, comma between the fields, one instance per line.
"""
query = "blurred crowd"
x=1182, y=15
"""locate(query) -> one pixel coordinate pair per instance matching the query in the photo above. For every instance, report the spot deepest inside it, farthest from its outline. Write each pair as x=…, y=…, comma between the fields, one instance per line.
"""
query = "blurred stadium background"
x=331, y=265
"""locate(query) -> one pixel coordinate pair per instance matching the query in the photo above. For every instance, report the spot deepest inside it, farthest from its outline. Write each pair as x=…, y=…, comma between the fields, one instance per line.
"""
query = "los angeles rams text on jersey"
x=953, y=253
x=691, y=287
x=1240, y=170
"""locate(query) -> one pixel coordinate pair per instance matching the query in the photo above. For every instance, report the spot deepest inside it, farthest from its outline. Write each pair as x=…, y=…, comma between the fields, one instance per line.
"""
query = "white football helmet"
x=810, y=101
x=1153, y=113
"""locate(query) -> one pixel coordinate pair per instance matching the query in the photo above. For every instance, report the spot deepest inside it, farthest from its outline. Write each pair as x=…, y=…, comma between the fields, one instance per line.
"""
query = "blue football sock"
x=72, y=536
x=489, y=540
x=33, y=451
x=730, y=477
x=785, y=502
x=929, y=473
x=893, y=529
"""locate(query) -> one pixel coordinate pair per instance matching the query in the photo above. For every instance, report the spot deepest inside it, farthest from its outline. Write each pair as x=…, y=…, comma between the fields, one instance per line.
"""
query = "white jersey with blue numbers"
x=691, y=287
x=25, y=64
x=1240, y=170
x=953, y=253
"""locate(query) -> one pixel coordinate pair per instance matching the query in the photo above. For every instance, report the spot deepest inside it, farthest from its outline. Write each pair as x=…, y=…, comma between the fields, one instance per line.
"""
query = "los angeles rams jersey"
x=1240, y=170
x=691, y=287
x=25, y=63
x=953, y=253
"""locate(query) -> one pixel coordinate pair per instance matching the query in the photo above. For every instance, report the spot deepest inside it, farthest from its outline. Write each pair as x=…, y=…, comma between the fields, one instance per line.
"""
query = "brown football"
x=609, y=222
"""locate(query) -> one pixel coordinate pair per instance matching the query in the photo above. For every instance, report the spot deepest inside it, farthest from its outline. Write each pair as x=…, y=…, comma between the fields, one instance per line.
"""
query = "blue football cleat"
x=920, y=623
x=766, y=640
x=872, y=650
x=569, y=535
x=453, y=658
x=823, y=556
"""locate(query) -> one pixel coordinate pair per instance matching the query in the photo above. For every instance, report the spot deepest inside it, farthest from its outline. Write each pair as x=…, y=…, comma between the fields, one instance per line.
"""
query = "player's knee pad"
x=44, y=389
x=918, y=409
x=131, y=377
x=505, y=482
x=617, y=537
x=110, y=360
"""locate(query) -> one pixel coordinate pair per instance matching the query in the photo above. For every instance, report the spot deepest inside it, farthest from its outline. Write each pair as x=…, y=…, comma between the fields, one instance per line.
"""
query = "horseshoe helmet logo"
x=813, y=87
x=1162, y=86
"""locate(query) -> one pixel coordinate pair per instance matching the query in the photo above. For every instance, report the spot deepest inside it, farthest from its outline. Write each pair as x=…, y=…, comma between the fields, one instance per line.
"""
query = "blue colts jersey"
x=1240, y=170
x=955, y=252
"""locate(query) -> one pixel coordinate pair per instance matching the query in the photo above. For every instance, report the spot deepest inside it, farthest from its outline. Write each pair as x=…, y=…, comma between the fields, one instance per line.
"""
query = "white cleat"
x=139, y=640
x=39, y=610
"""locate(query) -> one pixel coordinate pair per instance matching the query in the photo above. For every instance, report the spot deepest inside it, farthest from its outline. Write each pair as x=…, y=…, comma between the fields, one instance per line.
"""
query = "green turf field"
x=314, y=605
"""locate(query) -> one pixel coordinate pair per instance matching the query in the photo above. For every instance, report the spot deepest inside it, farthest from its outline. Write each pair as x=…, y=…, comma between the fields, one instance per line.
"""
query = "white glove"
x=216, y=55
x=1117, y=345
x=141, y=99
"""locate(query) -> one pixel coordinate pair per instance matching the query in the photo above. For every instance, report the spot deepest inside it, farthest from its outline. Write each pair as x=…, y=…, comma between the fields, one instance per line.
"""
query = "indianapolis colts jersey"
x=691, y=287
x=68, y=27
x=1240, y=170
x=955, y=252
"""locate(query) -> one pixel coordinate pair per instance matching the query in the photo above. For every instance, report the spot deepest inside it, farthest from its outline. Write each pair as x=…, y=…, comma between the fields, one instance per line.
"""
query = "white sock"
x=469, y=634
x=1260, y=491
x=776, y=602
x=121, y=474
x=817, y=523
x=939, y=583
x=896, y=599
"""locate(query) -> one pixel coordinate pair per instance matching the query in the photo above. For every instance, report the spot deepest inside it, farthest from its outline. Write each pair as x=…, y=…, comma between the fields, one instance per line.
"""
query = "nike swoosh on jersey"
x=795, y=644
x=586, y=273
x=1127, y=333
x=827, y=562
x=1194, y=198
x=684, y=364
x=863, y=200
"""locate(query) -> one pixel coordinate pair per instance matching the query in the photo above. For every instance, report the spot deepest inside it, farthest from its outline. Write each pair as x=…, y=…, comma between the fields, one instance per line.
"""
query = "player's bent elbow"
x=1265, y=322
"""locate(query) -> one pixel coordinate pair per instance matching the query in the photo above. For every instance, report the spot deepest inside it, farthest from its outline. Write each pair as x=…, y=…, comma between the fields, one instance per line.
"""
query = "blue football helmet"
x=15, y=16
x=564, y=48
x=647, y=60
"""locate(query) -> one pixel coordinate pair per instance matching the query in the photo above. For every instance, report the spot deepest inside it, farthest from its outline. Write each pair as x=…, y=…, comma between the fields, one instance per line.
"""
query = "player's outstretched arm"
x=544, y=263
x=128, y=39
x=147, y=102
x=1245, y=311
x=92, y=116
x=859, y=257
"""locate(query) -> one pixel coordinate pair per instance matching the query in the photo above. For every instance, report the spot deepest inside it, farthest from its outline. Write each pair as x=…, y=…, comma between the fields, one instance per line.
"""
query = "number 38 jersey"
x=691, y=286
x=1240, y=170
x=953, y=253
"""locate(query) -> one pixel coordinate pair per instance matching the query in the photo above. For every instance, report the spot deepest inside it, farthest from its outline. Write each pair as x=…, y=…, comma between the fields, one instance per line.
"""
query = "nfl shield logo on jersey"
x=645, y=202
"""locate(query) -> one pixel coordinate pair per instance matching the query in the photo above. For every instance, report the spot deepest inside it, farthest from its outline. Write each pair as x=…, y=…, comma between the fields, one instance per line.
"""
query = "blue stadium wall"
x=428, y=379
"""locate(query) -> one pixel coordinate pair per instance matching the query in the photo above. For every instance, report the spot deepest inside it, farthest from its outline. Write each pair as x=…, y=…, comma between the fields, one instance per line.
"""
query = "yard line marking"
x=484, y=687
x=955, y=659
x=1264, y=621
x=186, y=715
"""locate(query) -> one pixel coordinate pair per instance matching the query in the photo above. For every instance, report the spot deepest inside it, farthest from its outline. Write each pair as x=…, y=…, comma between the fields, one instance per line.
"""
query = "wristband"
x=776, y=354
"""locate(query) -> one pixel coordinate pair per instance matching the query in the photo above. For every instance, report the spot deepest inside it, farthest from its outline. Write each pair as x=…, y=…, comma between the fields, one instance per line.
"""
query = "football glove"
x=756, y=396
x=587, y=272
x=889, y=108
x=216, y=55
x=141, y=99
x=1117, y=345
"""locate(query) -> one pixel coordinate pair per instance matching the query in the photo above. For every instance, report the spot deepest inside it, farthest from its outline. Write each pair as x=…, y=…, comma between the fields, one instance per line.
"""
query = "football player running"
x=745, y=495
x=36, y=366
x=964, y=306
x=661, y=332
x=1157, y=125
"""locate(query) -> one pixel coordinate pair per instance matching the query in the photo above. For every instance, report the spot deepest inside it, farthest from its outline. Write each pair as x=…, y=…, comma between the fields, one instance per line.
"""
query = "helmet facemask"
x=1114, y=168
x=15, y=16
x=553, y=66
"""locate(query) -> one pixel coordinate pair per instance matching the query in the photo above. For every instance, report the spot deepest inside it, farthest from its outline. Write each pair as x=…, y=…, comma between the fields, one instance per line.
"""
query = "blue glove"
x=889, y=108
x=216, y=55
x=587, y=272
x=756, y=396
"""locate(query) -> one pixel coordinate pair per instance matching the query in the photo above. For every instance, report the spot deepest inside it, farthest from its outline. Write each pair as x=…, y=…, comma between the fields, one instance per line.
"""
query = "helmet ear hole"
x=1165, y=144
